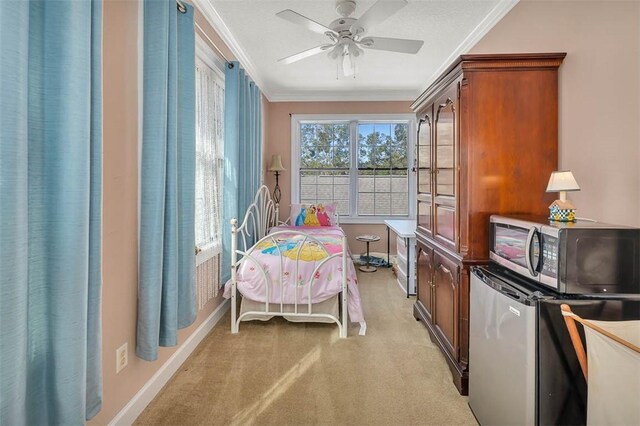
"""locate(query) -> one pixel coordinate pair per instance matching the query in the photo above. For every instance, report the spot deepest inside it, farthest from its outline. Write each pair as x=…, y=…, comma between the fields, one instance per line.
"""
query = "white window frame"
x=354, y=119
x=207, y=55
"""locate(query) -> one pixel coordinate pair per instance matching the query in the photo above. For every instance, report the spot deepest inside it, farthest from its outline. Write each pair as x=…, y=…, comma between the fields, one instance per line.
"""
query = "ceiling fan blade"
x=305, y=54
x=376, y=14
x=400, y=45
x=309, y=24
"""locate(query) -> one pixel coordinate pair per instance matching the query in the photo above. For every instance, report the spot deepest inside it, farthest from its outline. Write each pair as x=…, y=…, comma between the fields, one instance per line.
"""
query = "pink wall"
x=278, y=141
x=599, y=131
x=599, y=141
x=120, y=209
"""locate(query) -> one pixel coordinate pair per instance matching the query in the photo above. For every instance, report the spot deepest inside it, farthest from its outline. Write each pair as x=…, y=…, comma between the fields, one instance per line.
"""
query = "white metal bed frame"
x=261, y=215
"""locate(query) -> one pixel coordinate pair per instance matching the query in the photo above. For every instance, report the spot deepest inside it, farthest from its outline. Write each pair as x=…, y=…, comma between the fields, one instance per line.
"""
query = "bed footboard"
x=276, y=284
x=260, y=217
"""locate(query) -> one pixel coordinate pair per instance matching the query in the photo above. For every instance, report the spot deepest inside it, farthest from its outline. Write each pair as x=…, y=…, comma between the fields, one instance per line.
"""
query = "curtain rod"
x=183, y=9
x=204, y=33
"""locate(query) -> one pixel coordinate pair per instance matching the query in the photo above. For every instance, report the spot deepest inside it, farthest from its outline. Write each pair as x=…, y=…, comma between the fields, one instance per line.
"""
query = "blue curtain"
x=242, y=152
x=50, y=211
x=166, y=288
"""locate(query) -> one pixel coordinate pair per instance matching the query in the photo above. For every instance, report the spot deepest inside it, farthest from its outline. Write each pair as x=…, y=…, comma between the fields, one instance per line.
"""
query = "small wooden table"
x=368, y=239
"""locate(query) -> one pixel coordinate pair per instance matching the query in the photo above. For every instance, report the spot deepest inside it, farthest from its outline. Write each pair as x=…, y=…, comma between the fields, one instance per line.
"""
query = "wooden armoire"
x=487, y=144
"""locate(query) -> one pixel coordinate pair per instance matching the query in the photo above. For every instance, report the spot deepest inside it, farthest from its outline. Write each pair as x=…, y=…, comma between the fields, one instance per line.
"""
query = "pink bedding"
x=326, y=283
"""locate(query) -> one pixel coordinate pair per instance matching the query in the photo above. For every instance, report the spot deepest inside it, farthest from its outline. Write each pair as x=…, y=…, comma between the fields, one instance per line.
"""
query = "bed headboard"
x=260, y=216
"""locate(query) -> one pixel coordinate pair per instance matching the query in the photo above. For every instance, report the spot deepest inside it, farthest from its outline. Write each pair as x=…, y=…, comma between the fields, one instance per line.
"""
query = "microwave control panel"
x=550, y=256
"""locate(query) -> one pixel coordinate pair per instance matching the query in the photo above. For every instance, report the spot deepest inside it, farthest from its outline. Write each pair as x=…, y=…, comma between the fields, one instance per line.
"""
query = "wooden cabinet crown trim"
x=475, y=62
x=502, y=57
x=511, y=65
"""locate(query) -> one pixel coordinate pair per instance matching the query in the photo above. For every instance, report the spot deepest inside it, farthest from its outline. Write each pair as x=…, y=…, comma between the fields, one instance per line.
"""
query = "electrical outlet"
x=122, y=357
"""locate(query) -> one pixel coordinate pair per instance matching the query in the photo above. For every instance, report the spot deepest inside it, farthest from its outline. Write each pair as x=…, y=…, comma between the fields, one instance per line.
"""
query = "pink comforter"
x=326, y=283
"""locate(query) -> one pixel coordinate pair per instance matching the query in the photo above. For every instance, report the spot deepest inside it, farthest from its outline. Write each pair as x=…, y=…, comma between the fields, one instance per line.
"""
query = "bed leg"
x=234, y=243
x=345, y=320
x=234, y=324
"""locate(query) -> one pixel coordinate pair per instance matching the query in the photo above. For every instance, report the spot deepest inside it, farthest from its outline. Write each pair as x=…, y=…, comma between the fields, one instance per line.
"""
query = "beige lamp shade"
x=562, y=181
x=276, y=164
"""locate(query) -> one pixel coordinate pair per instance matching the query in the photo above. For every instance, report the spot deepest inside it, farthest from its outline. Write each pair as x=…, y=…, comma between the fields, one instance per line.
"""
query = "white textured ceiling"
x=445, y=26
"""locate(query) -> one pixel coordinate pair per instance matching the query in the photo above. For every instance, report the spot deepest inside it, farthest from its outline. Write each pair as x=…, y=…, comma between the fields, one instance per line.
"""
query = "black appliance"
x=574, y=258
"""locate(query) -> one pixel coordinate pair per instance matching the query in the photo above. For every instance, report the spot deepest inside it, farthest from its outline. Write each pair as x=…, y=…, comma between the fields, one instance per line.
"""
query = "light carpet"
x=282, y=373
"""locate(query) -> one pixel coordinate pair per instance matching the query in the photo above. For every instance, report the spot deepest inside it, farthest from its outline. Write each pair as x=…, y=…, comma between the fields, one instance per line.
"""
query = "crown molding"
x=211, y=14
x=497, y=13
x=344, y=96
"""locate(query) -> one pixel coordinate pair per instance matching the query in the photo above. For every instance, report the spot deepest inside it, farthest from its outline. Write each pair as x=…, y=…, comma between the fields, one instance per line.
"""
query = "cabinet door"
x=425, y=279
x=446, y=301
x=425, y=215
x=446, y=162
x=424, y=162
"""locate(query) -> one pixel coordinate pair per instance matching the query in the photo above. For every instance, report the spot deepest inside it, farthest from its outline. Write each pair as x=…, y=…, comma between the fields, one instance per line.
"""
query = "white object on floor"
x=614, y=374
x=363, y=328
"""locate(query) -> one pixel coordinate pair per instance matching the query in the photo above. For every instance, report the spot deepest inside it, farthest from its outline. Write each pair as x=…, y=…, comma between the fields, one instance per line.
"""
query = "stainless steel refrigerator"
x=523, y=368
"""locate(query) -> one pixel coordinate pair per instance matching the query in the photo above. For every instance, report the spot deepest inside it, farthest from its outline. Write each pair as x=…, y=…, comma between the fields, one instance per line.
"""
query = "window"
x=359, y=163
x=383, y=183
x=209, y=154
x=325, y=164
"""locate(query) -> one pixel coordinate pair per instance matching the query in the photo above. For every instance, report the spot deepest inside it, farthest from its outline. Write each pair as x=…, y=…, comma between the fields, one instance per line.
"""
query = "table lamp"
x=562, y=210
x=276, y=167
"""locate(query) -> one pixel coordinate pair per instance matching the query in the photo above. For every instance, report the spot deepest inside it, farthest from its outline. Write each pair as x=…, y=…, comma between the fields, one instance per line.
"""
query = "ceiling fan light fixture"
x=354, y=50
x=348, y=65
x=336, y=52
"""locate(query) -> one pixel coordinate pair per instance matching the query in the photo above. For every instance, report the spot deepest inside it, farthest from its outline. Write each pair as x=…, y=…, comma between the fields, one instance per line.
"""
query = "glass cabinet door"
x=444, y=183
x=424, y=170
x=425, y=213
x=424, y=155
x=445, y=148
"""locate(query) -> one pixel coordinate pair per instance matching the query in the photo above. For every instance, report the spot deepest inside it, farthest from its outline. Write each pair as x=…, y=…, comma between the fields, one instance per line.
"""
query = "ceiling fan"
x=347, y=35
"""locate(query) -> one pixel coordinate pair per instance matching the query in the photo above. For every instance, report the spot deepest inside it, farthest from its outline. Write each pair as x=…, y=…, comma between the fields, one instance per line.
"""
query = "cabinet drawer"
x=401, y=247
x=402, y=282
x=402, y=265
x=403, y=250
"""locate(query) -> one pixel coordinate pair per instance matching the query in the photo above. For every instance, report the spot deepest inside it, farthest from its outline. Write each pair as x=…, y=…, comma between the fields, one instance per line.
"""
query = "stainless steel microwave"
x=573, y=258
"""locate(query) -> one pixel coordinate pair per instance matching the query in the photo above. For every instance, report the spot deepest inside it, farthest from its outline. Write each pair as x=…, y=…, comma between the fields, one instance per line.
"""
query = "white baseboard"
x=139, y=402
